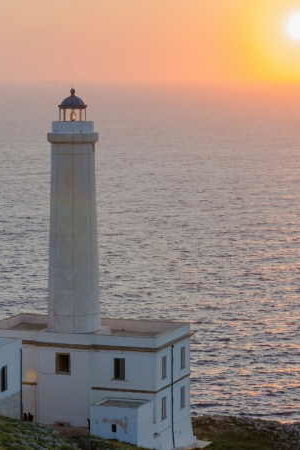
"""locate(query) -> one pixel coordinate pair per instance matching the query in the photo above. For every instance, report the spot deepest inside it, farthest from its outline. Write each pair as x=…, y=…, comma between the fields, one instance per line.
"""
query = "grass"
x=233, y=433
x=226, y=433
x=95, y=443
x=237, y=440
x=17, y=435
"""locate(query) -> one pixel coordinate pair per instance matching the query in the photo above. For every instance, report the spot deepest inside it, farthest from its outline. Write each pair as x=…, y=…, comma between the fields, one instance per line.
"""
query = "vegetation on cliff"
x=226, y=433
x=17, y=435
x=244, y=433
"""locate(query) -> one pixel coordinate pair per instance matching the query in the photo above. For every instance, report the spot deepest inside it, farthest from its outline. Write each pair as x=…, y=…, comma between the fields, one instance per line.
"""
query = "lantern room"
x=72, y=109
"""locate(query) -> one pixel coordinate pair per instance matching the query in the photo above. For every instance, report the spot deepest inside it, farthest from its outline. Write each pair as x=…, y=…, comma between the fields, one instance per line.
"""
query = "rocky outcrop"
x=275, y=435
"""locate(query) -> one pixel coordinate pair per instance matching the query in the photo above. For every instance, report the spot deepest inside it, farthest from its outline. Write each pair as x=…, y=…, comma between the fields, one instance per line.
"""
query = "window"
x=182, y=397
x=182, y=358
x=3, y=378
x=63, y=363
x=163, y=408
x=164, y=367
x=114, y=428
x=119, y=368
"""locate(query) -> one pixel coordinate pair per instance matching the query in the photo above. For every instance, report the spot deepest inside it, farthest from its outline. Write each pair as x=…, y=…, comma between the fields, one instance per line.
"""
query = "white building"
x=10, y=377
x=128, y=378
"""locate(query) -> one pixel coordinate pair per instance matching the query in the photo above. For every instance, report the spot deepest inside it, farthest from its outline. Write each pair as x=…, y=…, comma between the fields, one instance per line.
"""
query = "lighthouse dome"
x=72, y=102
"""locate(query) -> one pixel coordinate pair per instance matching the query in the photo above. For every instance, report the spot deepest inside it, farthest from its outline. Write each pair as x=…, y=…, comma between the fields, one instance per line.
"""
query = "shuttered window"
x=63, y=363
x=3, y=376
x=164, y=367
x=119, y=368
x=163, y=408
x=182, y=358
x=182, y=397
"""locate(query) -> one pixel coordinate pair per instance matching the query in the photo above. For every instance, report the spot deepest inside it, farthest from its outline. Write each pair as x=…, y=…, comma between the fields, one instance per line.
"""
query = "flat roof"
x=27, y=326
x=140, y=327
x=115, y=327
x=5, y=341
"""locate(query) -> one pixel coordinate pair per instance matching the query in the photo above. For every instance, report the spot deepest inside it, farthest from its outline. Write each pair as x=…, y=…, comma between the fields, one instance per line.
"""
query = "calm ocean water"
x=199, y=220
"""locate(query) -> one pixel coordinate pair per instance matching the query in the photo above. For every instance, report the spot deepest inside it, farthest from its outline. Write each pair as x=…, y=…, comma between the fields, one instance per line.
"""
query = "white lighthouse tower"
x=74, y=305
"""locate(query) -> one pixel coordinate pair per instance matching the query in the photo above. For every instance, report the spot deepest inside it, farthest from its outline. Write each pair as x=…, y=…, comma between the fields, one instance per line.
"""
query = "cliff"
x=244, y=433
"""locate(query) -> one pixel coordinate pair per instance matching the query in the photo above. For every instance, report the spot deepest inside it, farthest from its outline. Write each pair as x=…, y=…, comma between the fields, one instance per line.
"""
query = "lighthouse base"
x=107, y=377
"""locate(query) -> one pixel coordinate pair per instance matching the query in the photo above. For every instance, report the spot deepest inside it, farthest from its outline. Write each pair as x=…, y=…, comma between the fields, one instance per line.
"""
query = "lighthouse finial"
x=72, y=90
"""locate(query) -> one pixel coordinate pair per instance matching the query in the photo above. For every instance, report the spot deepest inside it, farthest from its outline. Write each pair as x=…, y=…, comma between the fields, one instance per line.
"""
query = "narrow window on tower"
x=182, y=397
x=163, y=408
x=63, y=363
x=164, y=367
x=3, y=378
x=119, y=368
x=182, y=358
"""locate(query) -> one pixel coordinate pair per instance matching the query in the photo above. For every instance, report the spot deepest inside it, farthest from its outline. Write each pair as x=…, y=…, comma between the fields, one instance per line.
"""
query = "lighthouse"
x=128, y=379
x=74, y=305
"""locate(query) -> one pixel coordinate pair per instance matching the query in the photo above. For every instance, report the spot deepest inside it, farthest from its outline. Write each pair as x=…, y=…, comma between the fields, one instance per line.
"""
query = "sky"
x=148, y=41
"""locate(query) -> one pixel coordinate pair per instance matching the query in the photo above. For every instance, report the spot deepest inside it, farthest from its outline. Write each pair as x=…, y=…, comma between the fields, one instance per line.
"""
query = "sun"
x=292, y=26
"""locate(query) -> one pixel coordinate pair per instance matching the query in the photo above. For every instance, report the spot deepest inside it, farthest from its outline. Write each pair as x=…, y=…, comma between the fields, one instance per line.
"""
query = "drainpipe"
x=172, y=395
x=21, y=385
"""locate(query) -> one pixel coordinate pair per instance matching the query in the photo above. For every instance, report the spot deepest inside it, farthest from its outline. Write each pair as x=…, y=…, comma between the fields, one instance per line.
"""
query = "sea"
x=199, y=221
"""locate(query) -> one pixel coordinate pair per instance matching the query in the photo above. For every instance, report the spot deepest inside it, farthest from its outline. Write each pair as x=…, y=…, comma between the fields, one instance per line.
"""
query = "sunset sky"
x=148, y=41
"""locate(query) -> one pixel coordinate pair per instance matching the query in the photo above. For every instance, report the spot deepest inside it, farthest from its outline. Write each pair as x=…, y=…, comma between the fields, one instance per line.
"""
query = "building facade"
x=10, y=377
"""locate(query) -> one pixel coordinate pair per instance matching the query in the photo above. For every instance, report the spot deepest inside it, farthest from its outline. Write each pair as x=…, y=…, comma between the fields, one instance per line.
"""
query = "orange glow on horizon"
x=238, y=42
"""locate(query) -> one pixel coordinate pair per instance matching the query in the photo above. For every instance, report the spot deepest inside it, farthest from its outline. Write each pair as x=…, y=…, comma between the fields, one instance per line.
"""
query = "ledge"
x=72, y=138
